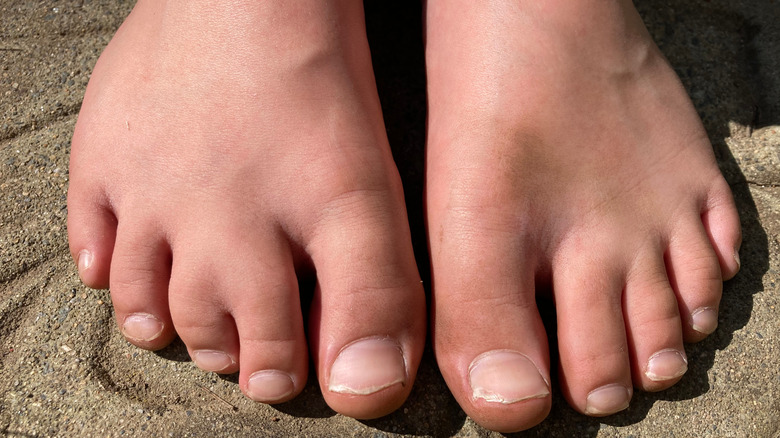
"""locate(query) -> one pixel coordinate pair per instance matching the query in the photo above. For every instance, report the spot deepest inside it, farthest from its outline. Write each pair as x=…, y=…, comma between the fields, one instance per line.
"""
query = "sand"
x=66, y=371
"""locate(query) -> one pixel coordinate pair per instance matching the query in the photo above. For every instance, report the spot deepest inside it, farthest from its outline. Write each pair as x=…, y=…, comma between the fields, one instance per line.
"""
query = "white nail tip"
x=367, y=366
x=666, y=365
x=506, y=377
x=704, y=320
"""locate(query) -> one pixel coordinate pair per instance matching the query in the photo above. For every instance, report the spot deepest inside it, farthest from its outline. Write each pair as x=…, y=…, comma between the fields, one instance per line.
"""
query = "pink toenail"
x=212, y=360
x=85, y=260
x=505, y=376
x=270, y=386
x=666, y=365
x=367, y=366
x=142, y=327
x=608, y=400
x=704, y=320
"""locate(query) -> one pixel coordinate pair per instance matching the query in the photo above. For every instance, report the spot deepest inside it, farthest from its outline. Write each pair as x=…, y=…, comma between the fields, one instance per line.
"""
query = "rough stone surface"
x=66, y=371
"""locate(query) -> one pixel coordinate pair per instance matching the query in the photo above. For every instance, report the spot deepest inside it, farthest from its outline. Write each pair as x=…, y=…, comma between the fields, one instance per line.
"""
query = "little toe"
x=695, y=275
x=140, y=272
x=653, y=325
x=721, y=222
x=594, y=362
x=91, y=235
x=368, y=316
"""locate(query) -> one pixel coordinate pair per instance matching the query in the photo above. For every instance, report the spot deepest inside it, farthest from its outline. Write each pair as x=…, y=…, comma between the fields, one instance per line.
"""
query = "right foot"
x=563, y=151
x=218, y=150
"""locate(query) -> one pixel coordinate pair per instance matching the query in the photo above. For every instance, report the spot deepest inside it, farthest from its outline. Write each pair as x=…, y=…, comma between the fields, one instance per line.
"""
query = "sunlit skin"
x=222, y=151
x=563, y=152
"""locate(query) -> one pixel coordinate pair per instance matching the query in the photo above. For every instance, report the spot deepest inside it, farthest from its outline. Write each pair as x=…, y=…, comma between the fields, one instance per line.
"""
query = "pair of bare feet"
x=220, y=150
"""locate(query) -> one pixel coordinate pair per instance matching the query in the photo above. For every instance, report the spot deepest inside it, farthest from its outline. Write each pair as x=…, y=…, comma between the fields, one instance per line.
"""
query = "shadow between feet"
x=395, y=34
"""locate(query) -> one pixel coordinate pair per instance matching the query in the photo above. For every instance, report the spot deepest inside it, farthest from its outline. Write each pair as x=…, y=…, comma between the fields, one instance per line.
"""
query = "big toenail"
x=666, y=365
x=705, y=320
x=367, y=366
x=269, y=386
x=608, y=400
x=504, y=376
x=85, y=260
x=142, y=327
x=736, y=259
x=212, y=360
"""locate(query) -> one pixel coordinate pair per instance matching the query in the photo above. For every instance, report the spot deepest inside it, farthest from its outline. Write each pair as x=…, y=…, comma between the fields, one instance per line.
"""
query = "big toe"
x=368, y=316
x=488, y=336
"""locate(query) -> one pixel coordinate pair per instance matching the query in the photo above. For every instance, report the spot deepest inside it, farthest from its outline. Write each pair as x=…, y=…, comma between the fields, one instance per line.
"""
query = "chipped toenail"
x=704, y=320
x=666, y=365
x=212, y=360
x=85, y=260
x=505, y=376
x=142, y=327
x=608, y=399
x=367, y=366
x=270, y=386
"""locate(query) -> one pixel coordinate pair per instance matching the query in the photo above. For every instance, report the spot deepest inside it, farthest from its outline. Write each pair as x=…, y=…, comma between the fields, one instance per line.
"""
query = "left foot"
x=562, y=150
x=218, y=151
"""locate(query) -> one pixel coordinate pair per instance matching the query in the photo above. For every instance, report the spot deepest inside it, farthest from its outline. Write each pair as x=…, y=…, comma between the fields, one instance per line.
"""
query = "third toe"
x=654, y=326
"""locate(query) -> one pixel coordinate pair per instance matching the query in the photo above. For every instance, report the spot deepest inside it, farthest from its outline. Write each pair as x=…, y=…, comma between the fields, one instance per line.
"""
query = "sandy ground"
x=66, y=371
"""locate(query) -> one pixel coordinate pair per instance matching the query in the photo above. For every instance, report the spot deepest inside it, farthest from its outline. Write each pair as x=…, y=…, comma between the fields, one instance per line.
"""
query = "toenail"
x=142, y=327
x=367, y=366
x=504, y=376
x=705, y=320
x=666, y=365
x=269, y=386
x=608, y=400
x=212, y=360
x=85, y=260
x=736, y=259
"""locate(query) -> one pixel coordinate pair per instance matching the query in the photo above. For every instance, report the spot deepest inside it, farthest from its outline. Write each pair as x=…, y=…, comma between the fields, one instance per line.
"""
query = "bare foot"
x=218, y=149
x=563, y=152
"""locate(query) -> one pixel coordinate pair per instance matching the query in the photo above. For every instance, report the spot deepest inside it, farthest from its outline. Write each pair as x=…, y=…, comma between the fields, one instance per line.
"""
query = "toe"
x=368, y=316
x=91, y=234
x=140, y=271
x=235, y=305
x=721, y=222
x=488, y=336
x=653, y=325
x=200, y=315
x=594, y=362
x=274, y=358
x=695, y=275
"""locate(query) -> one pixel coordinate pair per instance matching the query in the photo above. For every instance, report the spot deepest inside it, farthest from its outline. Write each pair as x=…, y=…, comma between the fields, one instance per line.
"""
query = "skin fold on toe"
x=219, y=152
x=564, y=154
